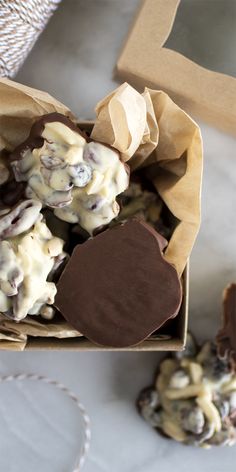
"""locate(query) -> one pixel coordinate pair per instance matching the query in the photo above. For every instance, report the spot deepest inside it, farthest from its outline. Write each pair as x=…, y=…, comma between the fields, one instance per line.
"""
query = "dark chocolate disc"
x=226, y=337
x=117, y=288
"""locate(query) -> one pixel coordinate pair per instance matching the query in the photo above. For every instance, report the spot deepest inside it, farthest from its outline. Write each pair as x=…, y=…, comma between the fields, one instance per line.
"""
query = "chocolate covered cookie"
x=117, y=288
x=77, y=177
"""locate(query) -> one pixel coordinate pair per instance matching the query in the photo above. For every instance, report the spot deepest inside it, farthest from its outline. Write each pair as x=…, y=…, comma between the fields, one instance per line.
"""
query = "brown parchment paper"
x=147, y=129
x=30, y=326
x=19, y=107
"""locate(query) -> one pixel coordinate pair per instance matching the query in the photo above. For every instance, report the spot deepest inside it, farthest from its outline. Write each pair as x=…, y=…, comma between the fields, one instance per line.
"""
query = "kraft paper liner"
x=147, y=129
x=19, y=107
x=30, y=326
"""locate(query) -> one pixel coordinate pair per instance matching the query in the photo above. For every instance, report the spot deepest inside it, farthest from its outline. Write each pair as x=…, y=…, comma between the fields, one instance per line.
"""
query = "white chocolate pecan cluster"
x=194, y=398
x=70, y=178
x=142, y=204
x=29, y=255
x=79, y=180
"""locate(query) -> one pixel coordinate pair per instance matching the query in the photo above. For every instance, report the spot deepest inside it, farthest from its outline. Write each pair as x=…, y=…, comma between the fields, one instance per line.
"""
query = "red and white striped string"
x=86, y=420
x=21, y=22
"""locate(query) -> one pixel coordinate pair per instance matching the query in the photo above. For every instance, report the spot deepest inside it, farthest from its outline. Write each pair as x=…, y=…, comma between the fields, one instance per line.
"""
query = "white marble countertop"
x=73, y=60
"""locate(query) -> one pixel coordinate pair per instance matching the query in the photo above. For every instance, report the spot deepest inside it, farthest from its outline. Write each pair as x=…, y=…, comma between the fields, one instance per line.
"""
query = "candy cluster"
x=194, y=398
x=146, y=205
x=80, y=180
x=56, y=173
x=29, y=255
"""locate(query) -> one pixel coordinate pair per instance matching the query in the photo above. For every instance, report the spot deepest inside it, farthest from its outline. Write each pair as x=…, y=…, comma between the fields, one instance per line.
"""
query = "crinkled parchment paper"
x=149, y=130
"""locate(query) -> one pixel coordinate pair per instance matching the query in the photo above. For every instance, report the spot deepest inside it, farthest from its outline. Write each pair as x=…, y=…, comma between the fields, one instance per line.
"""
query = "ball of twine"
x=21, y=22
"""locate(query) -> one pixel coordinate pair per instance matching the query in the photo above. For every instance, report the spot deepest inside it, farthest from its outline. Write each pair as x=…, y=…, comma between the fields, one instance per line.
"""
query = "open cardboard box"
x=177, y=180
x=146, y=61
x=171, y=337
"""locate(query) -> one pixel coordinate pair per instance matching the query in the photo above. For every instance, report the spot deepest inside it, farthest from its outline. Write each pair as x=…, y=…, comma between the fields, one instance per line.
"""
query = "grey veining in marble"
x=73, y=60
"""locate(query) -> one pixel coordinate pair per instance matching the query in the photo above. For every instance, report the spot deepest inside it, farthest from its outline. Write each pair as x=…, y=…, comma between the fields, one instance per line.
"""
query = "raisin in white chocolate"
x=95, y=205
x=28, y=256
x=194, y=398
x=80, y=180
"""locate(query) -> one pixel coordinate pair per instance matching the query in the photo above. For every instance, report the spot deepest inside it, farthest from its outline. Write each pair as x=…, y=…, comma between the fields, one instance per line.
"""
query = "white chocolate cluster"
x=141, y=204
x=79, y=180
x=28, y=256
x=194, y=399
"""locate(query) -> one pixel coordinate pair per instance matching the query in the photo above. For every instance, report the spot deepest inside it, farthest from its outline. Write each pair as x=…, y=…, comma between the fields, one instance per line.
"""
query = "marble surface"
x=39, y=428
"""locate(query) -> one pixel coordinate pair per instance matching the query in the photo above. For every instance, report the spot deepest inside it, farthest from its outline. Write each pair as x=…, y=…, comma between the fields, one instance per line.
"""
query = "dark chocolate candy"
x=226, y=337
x=117, y=288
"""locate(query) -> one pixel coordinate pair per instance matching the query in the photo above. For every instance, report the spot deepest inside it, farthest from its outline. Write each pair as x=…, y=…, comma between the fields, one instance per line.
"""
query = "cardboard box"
x=171, y=337
x=145, y=61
